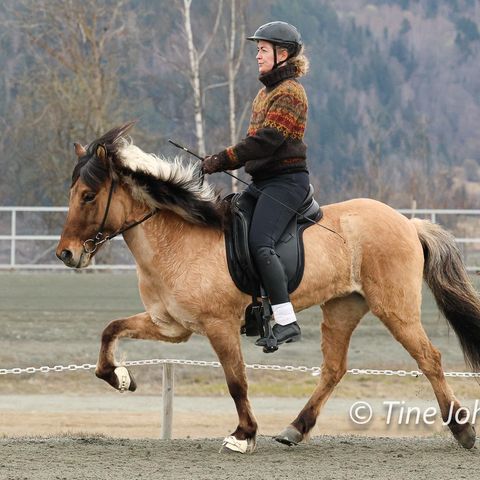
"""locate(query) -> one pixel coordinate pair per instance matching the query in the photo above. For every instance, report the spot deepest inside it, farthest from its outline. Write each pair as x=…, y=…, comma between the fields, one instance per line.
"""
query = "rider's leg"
x=269, y=221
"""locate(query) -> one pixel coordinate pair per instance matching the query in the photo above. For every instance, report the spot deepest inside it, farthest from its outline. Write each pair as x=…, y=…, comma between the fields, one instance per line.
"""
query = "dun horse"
x=173, y=227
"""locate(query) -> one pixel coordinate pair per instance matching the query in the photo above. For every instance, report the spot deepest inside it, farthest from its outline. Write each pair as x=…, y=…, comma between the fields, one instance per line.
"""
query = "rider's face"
x=265, y=57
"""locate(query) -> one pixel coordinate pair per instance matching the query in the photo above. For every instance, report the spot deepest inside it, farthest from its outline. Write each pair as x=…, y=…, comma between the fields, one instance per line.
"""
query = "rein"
x=90, y=246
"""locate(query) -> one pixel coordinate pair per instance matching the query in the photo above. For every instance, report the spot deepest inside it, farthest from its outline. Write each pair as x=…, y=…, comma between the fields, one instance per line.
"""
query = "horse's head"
x=97, y=201
x=116, y=186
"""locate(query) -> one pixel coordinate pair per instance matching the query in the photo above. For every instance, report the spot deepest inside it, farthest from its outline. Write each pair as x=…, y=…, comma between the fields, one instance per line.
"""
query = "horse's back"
x=373, y=245
x=372, y=221
x=364, y=207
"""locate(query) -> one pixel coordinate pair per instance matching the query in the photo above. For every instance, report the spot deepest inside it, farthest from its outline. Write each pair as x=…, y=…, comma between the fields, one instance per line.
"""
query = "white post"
x=167, y=395
x=14, y=234
x=414, y=207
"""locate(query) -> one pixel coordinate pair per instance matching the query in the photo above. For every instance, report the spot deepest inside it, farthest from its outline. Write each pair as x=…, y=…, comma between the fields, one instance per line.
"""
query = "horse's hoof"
x=232, y=445
x=125, y=380
x=290, y=436
x=466, y=437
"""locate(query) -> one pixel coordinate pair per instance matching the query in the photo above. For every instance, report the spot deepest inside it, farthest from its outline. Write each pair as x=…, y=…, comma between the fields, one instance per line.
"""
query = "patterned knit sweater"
x=274, y=141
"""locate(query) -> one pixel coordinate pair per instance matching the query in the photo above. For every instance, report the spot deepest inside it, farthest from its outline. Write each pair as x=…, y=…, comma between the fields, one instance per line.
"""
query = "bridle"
x=90, y=246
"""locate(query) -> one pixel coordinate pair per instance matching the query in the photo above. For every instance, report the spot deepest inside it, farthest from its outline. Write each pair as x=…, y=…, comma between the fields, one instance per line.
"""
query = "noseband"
x=90, y=246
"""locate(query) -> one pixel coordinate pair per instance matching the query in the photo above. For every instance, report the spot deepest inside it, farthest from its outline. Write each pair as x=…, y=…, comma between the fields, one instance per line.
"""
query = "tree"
x=235, y=48
x=68, y=91
x=467, y=35
x=196, y=57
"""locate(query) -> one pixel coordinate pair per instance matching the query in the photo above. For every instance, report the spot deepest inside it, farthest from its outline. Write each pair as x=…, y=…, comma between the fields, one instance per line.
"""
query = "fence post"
x=167, y=395
x=14, y=234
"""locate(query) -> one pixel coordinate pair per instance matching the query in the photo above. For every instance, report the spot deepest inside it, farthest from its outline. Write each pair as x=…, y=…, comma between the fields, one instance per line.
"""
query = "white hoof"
x=231, y=444
x=123, y=378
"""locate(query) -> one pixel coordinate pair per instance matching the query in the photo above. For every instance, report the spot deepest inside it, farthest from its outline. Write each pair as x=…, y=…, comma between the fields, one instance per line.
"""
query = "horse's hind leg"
x=406, y=327
x=225, y=340
x=340, y=317
x=138, y=326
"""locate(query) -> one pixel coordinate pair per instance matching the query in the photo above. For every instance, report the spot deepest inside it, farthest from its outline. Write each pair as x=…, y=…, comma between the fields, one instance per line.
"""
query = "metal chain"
x=314, y=371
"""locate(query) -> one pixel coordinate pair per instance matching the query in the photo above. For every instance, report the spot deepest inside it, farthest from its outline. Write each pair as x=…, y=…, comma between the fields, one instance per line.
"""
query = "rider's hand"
x=212, y=164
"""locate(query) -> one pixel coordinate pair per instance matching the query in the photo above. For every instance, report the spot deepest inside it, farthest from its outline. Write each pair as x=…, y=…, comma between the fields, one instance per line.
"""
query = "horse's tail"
x=454, y=293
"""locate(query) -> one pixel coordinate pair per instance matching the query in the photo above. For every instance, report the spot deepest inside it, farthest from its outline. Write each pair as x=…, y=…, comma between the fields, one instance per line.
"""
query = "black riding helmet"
x=280, y=34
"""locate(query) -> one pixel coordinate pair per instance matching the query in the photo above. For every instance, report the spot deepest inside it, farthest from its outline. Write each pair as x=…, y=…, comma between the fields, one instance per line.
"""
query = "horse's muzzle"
x=65, y=256
x=70, y=260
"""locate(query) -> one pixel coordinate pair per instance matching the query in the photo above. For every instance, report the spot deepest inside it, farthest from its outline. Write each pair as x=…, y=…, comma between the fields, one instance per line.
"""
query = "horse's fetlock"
x=103, y=373
x=305, y=421
x=245, y=433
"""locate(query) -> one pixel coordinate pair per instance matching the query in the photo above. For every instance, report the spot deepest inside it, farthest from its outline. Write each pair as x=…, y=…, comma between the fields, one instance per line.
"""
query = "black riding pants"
x=269, y=221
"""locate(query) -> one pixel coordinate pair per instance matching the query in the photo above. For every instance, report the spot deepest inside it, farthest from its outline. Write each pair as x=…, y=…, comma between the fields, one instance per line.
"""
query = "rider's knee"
x=262, y=253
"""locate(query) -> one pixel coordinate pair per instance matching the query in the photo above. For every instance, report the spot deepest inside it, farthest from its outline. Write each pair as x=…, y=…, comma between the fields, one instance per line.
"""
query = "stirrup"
x=271, y=344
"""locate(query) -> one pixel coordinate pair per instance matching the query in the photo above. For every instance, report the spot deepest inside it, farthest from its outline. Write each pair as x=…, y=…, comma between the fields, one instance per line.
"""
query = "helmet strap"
x=278, y=64
x=275, y=64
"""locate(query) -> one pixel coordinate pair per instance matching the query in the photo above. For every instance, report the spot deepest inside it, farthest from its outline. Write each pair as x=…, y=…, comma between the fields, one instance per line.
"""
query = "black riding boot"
x=274, y=280
x=272, y=274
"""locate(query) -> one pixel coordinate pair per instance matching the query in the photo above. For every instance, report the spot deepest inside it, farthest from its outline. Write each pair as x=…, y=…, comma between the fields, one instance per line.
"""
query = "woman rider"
x=274, y=154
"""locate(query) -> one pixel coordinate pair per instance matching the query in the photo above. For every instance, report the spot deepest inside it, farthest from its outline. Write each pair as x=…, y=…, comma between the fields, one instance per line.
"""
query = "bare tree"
x=70, y=90
x=196, y=56
x=235, y=43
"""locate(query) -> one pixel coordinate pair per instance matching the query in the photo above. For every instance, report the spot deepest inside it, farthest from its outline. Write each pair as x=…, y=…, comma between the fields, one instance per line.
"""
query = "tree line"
x=393, y=89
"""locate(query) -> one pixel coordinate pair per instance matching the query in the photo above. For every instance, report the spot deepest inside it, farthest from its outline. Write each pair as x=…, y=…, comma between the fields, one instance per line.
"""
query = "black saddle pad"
x=289, y=248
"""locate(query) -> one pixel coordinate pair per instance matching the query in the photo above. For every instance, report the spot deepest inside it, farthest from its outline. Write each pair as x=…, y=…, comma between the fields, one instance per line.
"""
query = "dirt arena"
x=324, y=457
x=70, y=425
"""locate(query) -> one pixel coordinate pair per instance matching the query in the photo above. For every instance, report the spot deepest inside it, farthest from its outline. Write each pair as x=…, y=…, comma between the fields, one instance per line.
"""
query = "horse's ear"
x=101, y=153
x=79, y=150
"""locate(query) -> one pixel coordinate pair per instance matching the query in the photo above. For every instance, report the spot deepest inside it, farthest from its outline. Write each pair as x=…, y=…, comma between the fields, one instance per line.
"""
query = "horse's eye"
x=88, y=197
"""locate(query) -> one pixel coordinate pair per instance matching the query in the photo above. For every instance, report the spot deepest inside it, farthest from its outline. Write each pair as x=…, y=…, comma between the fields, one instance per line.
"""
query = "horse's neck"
x=169, y=245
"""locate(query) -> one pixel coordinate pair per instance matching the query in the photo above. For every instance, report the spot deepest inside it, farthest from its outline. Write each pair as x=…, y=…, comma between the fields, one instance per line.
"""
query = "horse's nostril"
x=66, y=256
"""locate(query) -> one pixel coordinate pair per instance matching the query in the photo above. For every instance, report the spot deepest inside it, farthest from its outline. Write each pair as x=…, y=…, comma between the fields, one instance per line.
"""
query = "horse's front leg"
x=140, y=326
x=225, y=340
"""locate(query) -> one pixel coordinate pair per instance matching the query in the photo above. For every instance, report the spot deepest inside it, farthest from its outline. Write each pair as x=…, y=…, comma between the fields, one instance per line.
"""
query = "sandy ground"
x=70, y=425
x=339, y=457
x=64, y=437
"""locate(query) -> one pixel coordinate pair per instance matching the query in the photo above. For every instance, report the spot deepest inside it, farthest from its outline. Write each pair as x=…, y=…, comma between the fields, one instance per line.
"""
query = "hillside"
x=393, y=89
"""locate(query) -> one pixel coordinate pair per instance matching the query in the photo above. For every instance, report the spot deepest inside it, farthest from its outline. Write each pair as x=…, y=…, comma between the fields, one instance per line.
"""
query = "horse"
x=174, y=226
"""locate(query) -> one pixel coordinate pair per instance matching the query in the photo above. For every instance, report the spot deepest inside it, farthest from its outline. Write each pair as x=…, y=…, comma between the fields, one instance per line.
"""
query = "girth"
x=289, y=248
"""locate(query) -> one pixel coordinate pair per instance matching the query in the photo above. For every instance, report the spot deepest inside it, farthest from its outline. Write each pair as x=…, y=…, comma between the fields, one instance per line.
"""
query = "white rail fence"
x=168, y=377
x=19, y=250
x=22, y=247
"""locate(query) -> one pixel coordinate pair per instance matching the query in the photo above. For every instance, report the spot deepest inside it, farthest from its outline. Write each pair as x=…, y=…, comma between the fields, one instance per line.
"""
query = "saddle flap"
x=289, y=247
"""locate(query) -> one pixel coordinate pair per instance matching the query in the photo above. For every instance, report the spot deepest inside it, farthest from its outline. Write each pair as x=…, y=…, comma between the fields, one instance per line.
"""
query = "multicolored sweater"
x=274, y=141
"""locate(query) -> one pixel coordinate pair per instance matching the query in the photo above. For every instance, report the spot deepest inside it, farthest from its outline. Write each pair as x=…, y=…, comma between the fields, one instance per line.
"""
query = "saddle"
x=289, y=248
